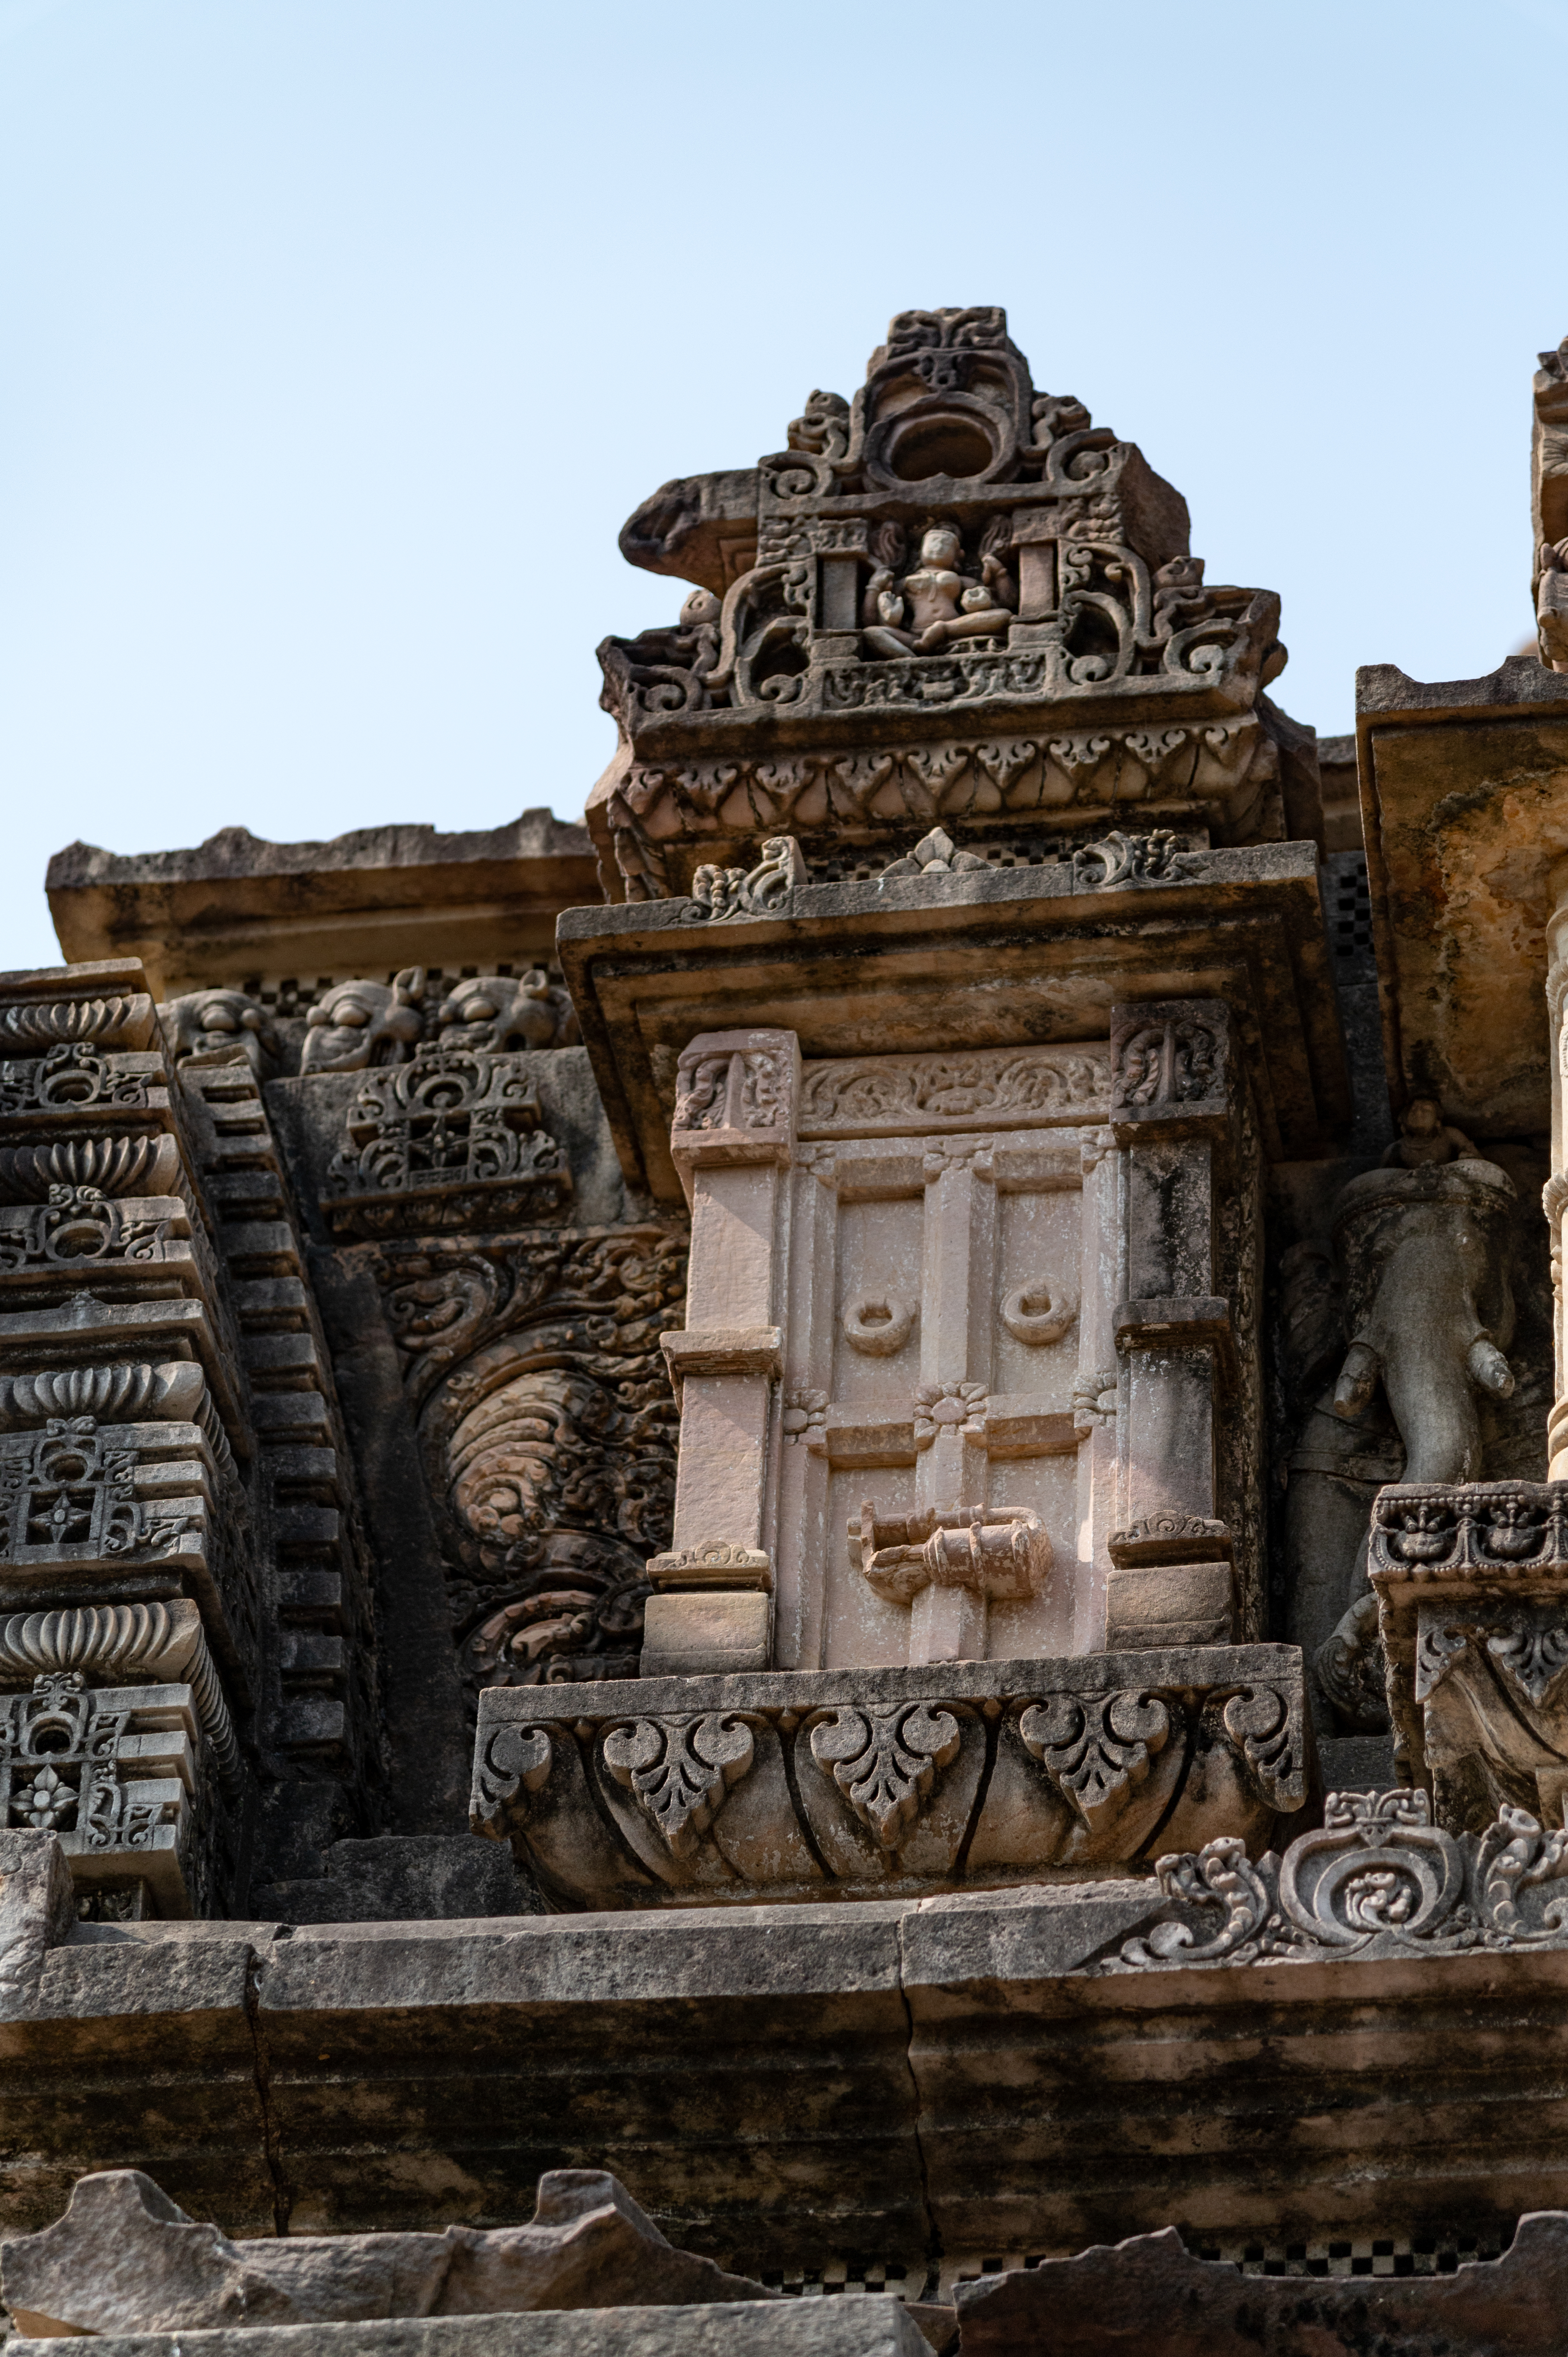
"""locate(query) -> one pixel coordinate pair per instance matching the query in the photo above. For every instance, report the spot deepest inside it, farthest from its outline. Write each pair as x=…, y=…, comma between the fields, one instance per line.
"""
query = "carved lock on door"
x=1003, y=1556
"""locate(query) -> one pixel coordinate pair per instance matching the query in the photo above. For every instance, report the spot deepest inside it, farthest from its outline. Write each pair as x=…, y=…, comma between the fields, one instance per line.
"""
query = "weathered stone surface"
x=1430, y=1309
x=236, y=907
x=991, y=1032
x=1465, y=811
x=1474, y=1630
x=126, y=2259
x=751, y=2079
x=402, y=1879
x=942, y=1303
x=811, y=2328
x=937, y=2082
x=1151, y=2291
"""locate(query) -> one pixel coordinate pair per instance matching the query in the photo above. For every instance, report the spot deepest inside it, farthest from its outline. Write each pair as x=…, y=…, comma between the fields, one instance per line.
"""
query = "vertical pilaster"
x=1556, y=1192
x=733, y=1142
x=1101, y=1260
x=949, y=1624
x=1171, y=1111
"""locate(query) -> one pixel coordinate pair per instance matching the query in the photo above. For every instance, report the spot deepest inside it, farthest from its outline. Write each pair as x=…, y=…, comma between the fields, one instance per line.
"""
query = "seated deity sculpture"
x=936, y=603
x=357, y=1025
x=508, y=1011
x=1424, y=1137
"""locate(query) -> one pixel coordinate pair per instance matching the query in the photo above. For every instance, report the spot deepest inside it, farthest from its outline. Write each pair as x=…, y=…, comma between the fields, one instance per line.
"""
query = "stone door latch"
x=1007, y=1557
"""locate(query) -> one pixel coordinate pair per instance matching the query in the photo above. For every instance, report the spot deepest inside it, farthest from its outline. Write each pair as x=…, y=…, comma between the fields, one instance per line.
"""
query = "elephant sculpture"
x=1425, y=1252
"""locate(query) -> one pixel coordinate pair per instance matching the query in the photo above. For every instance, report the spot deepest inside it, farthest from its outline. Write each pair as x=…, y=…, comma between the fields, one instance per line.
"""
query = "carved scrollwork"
x=60, y=1752
x=1167, y=1060
x=70, y=1493
x=1220, y=1875
x=860, y=1096
x=759, y=891
x=1121, y=860
x=608, y=1291
x=1378, y=1865
x=733, y=1088
x=1094, y=664
x=547, y=1427
x=885, y=1758
x=1267, y=1725
x=1534, y=1653
x=1095, y=1750
x=906, y=1776
x=579, y=1615
x=681, y=1769
x=78, y=1076
x=453, y=1138
x=553, y=1445
x=663, y=817
x=1513, y=1857
x=1377, y=1872
x=77, y=1224
x=515, y=1761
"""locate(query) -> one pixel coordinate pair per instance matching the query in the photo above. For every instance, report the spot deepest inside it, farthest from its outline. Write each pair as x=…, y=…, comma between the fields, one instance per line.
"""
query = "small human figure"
x=942, y=603
x=1424, y=1137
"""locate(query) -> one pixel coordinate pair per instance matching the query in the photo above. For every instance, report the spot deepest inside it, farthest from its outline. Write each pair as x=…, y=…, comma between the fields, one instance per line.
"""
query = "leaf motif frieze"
x=892, y=1784
x=867, y=1095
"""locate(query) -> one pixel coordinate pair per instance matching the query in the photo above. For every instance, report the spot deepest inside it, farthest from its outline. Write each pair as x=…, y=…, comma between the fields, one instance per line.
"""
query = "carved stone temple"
x=815, y=1541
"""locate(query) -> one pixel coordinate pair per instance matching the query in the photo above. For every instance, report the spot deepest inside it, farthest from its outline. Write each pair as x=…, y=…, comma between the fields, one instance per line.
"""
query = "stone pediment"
x=948, y=552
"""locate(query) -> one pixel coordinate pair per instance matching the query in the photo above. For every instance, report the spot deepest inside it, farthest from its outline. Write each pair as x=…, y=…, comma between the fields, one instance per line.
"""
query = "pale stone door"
x=949, y=1362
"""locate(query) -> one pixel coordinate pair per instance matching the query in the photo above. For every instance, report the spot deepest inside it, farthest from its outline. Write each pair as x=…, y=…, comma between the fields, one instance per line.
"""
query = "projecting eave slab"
x=1464, y=808
x=999, y=958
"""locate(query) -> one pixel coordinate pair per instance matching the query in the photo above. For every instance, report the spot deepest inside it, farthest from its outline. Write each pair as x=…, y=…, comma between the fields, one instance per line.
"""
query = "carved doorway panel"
x=950, y=1366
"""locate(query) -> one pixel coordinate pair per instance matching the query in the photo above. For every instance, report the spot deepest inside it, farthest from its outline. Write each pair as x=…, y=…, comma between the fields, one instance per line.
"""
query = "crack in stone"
x=931, y=2288
x=272, y=2138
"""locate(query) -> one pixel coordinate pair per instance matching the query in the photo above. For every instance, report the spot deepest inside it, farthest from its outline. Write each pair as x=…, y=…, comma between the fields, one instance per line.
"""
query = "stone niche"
x=965, y=1580
x=958, y=1373
x=961, y=985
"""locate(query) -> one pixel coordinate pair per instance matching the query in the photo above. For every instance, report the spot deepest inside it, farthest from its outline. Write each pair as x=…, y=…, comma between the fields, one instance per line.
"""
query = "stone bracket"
x=1183, y=1323
x=724, y=1350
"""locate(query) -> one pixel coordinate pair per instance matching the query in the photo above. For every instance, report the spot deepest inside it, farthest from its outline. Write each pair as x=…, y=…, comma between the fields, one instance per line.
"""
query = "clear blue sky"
x=341, y=334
